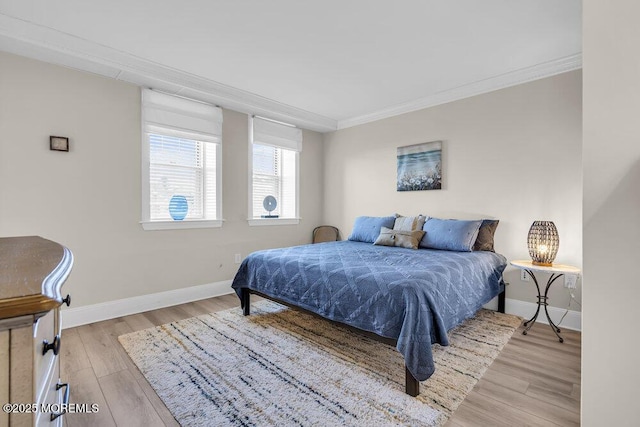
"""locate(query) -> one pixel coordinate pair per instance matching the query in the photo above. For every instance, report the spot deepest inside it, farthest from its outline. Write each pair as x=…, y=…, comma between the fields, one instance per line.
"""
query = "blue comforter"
x=414, y=296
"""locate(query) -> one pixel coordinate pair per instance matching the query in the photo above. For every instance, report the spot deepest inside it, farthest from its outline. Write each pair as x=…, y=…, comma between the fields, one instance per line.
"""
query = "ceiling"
x=323, y=65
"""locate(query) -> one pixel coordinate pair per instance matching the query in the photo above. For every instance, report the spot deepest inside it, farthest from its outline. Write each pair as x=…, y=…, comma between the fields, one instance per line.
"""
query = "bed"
x=404, y=297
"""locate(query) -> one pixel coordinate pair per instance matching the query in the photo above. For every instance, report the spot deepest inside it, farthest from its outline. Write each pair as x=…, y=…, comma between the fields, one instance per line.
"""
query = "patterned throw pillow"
x=402, y=239
x=409, y=223
x=484, y=241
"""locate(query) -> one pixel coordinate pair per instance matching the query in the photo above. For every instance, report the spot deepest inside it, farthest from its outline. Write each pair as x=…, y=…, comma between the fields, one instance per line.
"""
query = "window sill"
x=177, y=225
x=273, y=221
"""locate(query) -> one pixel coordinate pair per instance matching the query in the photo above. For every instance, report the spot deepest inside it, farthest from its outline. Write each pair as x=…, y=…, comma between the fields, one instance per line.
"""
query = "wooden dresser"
x=32, y=272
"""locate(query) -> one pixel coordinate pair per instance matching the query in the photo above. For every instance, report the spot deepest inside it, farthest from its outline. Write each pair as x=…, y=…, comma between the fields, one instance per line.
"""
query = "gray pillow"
x=450, y=234
x=399, y=238
x=484, y=242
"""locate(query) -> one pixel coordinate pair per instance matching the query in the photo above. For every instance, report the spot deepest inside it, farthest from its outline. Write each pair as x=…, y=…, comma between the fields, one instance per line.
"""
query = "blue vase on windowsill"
x=178, y=207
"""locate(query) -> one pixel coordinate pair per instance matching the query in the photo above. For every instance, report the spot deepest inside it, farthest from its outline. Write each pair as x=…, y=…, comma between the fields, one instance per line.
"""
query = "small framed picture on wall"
x=58, y=143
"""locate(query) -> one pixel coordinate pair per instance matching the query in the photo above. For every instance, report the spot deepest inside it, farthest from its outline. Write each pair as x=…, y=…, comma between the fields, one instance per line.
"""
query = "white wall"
x=89, y=199
x=513, y=154
x=611, y=153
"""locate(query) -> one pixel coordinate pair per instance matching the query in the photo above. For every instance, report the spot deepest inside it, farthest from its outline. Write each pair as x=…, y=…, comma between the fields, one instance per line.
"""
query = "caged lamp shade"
x=543, y=242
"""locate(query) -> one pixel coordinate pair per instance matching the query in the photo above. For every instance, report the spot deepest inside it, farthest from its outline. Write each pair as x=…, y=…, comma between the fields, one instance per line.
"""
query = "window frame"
x=153, y=225
x=295, y=220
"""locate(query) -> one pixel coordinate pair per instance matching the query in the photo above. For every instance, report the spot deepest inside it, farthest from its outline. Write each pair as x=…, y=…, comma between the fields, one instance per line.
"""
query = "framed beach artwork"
x=420, y=167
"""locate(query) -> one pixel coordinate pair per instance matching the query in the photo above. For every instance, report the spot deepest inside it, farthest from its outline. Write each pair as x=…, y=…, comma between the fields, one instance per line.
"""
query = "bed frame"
x=412, y=385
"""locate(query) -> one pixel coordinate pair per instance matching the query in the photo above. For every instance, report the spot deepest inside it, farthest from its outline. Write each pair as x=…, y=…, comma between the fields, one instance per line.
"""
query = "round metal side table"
x=556, y=271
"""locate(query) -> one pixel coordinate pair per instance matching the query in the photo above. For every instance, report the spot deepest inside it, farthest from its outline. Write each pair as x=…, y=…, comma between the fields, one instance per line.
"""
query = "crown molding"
x=491, y=84
x=53, y=46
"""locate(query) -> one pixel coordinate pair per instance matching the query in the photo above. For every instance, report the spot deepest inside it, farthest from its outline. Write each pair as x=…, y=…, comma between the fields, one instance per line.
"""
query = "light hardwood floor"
x=535, y=381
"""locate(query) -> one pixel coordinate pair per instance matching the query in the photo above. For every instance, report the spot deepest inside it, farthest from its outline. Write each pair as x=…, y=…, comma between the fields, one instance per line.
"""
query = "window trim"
x=184, y=224
x=269, y=221
x=146, y=222
x=273, y=221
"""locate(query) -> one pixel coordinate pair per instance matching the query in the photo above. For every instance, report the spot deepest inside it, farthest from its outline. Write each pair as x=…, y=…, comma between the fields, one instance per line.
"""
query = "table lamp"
x=543, y=242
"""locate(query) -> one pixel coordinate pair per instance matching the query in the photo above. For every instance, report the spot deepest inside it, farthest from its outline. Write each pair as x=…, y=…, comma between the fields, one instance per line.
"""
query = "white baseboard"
x=524, y=309
x=72, y=317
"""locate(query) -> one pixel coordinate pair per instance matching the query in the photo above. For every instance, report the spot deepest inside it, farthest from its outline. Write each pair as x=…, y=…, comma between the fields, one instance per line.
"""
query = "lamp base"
x=544, y=264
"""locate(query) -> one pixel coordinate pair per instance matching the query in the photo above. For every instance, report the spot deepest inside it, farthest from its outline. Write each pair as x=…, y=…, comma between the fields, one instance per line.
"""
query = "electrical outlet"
x=570, y=281
x=238, y=258
x=524, y=276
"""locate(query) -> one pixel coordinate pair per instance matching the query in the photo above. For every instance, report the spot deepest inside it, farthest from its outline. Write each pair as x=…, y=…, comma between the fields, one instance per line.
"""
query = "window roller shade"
x=179, y=117
x=276, y=135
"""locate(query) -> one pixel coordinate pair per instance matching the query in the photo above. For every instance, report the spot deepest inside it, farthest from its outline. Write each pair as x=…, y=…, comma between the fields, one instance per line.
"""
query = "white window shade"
x=277, y=135
x=274, y=158
x=181, y=179
x=181, y=118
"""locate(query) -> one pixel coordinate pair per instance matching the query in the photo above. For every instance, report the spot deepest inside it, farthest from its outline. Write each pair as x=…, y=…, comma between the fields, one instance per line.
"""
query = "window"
x=181, y=173
x=182, y=167
x=274, y=158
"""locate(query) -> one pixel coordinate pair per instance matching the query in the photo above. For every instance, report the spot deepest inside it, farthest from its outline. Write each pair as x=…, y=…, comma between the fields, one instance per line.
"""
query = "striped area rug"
x=282, y=367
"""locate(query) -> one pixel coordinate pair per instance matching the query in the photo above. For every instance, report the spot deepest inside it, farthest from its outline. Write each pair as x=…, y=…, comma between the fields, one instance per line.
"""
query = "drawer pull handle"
x=67, y=300
x=65, y=401
x=55, y=345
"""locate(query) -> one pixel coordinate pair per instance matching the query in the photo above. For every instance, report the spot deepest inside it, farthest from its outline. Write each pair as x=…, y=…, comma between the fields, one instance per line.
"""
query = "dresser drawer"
x=47, y=328
x=52, y=395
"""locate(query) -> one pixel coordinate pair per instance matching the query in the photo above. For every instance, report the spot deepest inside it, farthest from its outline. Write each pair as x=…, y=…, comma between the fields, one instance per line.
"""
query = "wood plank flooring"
x=535, y=381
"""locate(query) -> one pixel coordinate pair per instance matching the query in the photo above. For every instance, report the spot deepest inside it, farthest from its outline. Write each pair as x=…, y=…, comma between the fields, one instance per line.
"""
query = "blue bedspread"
x=414, y=296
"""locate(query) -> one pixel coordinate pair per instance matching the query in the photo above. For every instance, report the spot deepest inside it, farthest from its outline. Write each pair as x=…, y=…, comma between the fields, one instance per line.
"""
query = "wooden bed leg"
x=412, y=385
x=245, y=301
x=501, y=299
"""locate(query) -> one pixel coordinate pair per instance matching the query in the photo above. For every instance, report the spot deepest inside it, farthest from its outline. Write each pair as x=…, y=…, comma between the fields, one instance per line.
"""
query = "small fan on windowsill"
x=270, y=203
